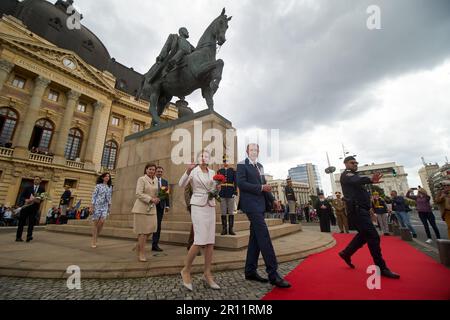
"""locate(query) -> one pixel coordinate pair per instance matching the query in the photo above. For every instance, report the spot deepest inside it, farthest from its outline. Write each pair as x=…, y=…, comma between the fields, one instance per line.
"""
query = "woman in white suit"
x=203, y=215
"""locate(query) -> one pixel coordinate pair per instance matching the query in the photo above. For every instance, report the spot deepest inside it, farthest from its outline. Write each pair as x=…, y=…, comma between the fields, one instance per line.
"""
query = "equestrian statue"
x=180, y=69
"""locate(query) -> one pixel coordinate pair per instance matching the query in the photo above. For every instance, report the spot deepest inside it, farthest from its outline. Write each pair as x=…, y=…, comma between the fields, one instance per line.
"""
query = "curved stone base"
x=50, y=254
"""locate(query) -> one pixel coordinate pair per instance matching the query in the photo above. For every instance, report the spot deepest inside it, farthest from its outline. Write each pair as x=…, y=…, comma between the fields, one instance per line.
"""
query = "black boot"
x=231, y=223
x=224, y=225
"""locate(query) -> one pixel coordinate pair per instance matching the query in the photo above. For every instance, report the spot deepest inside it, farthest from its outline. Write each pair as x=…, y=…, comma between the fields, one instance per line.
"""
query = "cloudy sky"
x=311, y=69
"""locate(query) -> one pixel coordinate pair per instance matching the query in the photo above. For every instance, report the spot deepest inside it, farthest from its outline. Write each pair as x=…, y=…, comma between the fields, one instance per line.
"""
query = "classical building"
x=425, y=173
x=301, y=190
x=307, y=173
x=436, y=179
x=394, y=177
x=65, y=104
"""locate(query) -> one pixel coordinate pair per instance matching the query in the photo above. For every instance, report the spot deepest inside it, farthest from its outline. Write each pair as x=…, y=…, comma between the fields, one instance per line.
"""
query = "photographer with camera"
x=425, y=211
x=443, y=200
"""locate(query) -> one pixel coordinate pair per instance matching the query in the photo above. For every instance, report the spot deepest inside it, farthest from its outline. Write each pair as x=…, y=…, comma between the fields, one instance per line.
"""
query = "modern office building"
x=307, y=173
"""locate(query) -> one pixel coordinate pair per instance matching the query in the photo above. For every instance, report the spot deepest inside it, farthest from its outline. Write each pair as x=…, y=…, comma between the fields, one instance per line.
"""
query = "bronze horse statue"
x=200, y=70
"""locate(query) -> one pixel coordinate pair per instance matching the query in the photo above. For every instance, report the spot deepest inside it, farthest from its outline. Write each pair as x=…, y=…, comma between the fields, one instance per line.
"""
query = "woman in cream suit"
x=203, y=215
x=144, y=209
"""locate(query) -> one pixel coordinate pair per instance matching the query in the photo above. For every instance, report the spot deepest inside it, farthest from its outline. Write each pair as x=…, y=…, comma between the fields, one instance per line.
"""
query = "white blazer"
x=200, y=186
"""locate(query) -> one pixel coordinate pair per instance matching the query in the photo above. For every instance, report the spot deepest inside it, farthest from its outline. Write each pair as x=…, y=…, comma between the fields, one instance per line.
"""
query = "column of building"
x=93, y=131
x=66, y=123
x=30, y=117
x=5, y=70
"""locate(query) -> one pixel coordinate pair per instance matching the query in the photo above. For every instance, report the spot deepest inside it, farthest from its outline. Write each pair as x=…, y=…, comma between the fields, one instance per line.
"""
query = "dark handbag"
x=268, y=202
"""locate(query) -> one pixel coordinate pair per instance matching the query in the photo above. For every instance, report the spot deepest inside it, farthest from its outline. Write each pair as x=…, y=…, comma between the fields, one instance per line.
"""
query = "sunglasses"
x=353, y=162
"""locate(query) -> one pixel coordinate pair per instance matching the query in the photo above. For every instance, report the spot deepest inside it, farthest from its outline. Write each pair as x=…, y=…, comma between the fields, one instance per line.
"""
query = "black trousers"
x=260, y=242
x=332, y=219
x=307, y=215
x=366, y=234
x=429, y=216
x=157, y=234
x=25, y=215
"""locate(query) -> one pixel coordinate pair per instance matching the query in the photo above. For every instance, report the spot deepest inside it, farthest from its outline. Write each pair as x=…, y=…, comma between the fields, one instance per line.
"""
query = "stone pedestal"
x=396, y=230
x=406, y=234
x=155, y=145
x=444, y=251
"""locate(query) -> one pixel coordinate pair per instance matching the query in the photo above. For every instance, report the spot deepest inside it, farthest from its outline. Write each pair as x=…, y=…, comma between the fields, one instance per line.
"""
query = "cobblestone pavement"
x=234, y=287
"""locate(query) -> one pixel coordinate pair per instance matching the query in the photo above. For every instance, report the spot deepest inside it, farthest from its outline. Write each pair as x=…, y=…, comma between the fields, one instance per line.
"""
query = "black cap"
x=321, y=194
x=349, y=158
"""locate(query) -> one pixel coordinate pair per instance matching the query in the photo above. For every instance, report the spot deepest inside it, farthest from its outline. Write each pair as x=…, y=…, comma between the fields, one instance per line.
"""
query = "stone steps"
x=239, y=241
x=172, y=217
x=173, y=225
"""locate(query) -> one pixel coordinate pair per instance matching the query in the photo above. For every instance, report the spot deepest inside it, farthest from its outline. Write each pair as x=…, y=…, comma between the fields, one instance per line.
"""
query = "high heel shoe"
x=186, y=285
x=142, y=259
x=211, y=284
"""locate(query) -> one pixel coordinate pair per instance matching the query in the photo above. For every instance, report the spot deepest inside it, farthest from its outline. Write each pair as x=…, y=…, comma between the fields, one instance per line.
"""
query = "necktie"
x=35, y=189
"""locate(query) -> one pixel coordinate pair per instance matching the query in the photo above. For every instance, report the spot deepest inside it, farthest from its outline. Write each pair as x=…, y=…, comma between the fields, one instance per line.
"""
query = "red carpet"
x=325, y=276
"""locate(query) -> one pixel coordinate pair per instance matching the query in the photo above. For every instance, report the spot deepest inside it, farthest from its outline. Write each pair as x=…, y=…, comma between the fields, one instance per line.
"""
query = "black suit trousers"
x=159, y=217
x=25, y=215
x=366, y=234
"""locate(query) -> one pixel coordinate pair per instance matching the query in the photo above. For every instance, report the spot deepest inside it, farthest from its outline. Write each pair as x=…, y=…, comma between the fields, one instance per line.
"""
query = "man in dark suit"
x=161, y=207
x=30, y=212
x=255, y=199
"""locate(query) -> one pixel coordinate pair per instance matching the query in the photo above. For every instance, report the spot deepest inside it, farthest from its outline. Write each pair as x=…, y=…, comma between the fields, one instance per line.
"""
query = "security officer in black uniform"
x=227, y=194
x=358, y=204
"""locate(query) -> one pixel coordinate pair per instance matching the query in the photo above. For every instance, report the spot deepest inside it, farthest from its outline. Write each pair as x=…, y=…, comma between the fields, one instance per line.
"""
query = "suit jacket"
x=145, y=190
x=250, y=181
x=200, y=186
x=26, y=194
x=164, y=203
x=327, y=210
x=65, y=198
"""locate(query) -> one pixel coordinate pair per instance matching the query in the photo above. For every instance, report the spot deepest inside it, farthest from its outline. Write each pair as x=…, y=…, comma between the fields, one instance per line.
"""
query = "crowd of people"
x=355, y=209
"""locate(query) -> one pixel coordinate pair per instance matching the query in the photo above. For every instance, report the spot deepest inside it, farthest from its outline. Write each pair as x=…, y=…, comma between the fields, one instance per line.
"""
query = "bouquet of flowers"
x=34, y=199
x=163, y=193
x=214, y=194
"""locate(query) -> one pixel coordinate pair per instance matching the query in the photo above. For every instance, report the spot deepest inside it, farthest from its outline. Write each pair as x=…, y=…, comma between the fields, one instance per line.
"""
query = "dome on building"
x=50, y=22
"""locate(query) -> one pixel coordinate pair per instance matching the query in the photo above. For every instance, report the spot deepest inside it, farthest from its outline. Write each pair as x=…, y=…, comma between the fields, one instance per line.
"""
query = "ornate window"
x=110, y=155
x=42, y=135
x=73, y=146
x=81, y=107
x=53, y=95
x=136, y=127
x=8, y=122
x=115, y=121
x=19, y=82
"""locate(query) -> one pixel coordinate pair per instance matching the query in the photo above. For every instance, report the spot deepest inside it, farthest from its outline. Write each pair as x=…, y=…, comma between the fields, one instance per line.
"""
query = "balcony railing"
x=75, y=164
x=6, y=152
x=111, y=171
x=41, y=158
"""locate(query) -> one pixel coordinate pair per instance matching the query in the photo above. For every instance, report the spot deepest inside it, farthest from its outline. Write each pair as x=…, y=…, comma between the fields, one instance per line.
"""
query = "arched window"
x=73, y=145
x=8, y=121
x=109, y=155
x=42, y=135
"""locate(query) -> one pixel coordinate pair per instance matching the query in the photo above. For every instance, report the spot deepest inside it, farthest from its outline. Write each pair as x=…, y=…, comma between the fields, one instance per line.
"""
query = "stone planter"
x=444, y=251
x=406, y=234
x=396, y=230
